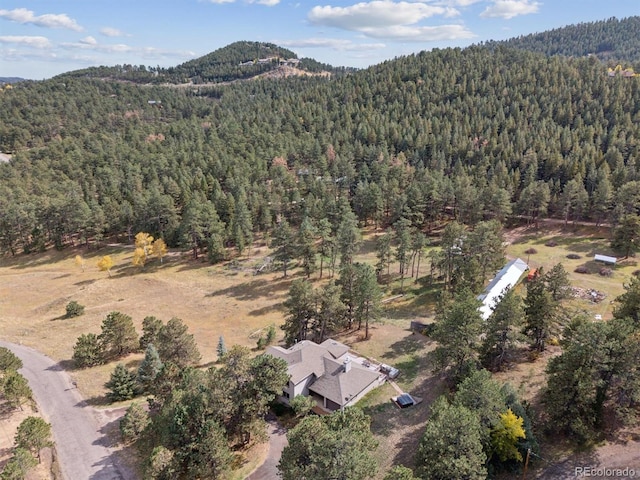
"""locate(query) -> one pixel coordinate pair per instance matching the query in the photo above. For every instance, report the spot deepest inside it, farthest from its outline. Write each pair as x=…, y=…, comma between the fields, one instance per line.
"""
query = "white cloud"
x=508, y=9
x=410, y=33
x=49, y=20
x=89, y=41
x=332, y=43
x=268, y=3
x=91, y=44
x=459, y=3
x=379, y=13
x=112, y=32
x=29, y=41
x=386, y=19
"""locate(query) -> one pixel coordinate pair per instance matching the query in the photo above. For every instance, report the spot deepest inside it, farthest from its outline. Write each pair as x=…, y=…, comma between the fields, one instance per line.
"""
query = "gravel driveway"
x=82, y=450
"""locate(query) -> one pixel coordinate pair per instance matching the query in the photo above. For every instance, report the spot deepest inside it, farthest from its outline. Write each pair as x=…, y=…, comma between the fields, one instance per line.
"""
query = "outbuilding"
x=605, y=259
x=505, y=280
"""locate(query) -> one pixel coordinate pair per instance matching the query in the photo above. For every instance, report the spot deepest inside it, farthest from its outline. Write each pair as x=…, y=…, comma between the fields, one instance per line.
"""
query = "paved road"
x=277, y=441
x=82, y=450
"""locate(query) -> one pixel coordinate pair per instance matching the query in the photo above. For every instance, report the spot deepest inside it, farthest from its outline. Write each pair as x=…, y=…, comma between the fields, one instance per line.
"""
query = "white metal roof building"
x=605, y=259
x=504, y=280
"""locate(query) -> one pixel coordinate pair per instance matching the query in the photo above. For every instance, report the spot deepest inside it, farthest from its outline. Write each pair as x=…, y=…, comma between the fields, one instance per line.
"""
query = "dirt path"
x=82, y=450
x=277, y=441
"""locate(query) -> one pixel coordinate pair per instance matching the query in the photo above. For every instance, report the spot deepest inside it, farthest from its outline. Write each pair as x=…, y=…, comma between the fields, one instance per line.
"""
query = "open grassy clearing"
x=230, y=300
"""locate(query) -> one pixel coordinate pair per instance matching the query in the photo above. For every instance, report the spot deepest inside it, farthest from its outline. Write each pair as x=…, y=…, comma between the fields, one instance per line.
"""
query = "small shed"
x=605, y=259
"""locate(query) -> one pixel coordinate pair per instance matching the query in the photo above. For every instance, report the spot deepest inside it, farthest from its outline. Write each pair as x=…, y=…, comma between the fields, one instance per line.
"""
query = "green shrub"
x=271, y=334
x=74, y=309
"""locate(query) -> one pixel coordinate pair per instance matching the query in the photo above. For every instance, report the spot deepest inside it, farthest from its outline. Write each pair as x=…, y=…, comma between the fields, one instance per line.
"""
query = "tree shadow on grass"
x=407, y=346
x=265, y=310
x=255, y=289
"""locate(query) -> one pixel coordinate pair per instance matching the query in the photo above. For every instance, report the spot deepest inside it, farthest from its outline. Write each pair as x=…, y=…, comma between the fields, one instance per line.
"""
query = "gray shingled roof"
x=340, y=386
x=308, y=358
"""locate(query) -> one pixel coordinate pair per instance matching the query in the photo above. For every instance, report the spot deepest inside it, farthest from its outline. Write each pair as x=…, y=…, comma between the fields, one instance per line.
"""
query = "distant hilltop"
x=5, y=80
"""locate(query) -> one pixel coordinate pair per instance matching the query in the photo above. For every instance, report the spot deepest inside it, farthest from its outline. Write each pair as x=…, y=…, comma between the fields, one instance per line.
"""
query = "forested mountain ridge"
x=610, y=40
x=472, y=134
x=237, y=61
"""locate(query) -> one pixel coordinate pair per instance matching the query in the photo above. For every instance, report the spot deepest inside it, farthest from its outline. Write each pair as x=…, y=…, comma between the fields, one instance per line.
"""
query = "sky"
x=43, y=38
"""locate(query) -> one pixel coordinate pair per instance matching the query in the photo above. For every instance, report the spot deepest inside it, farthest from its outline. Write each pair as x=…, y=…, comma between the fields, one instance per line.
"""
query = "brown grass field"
x=231, y=301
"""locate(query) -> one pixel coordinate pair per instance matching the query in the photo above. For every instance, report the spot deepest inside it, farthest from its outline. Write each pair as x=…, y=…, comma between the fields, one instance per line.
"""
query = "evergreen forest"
x=468, y=134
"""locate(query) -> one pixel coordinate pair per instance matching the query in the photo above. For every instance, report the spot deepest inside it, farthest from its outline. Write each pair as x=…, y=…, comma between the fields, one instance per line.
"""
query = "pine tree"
x=118, y=336
x=557, y=281
x=149, y=368
x=383, y=252
x=151, y=327
x=15, y=389
x=330, y=315
x=33, y=434
x=457, y=332
x=348, y=236
x=540, y=312
x=451, y=446
x=176, y=345
x=121, y=384
x=284, y=245
x=134, y=422
x=502, y=331
x=222, y=348
x=9, y=361
x=306, y=244
x=403, y=249
x=88, y=351
x=626, y=236
x=367, y=296
x=333, y=446
x=300, y=308
x=18, y=465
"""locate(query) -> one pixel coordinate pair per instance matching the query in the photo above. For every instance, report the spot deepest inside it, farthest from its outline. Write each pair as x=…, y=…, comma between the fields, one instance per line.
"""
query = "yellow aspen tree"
x=139, y=257
x=159, y=248
x=144, y=247
x=505, y=436
x=105, y=264
x=80, y=261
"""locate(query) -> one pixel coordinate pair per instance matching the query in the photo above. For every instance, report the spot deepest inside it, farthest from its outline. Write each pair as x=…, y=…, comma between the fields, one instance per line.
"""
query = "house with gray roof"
x=330, y=372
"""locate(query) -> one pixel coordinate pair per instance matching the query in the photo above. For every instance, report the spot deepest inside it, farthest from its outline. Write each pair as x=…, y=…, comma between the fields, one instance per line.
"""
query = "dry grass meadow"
x=231, y=301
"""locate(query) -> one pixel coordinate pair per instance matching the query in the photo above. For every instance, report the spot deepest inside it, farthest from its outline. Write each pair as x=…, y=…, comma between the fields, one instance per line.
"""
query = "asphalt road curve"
x=82, y=450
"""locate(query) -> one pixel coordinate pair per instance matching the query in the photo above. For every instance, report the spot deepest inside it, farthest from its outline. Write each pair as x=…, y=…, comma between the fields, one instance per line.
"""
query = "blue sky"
x=42, y=38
